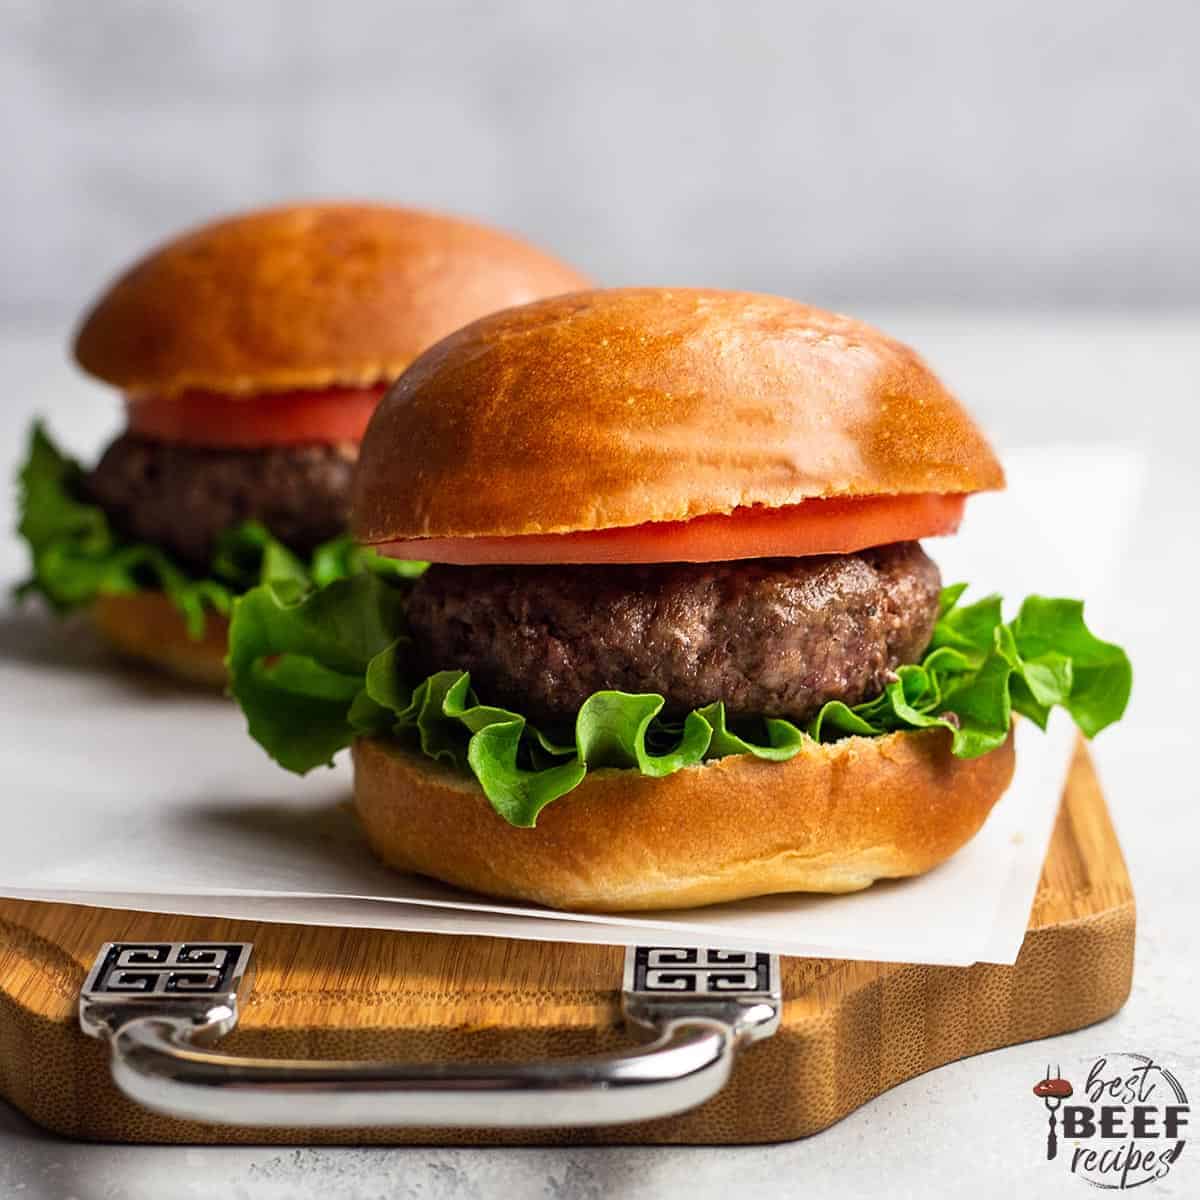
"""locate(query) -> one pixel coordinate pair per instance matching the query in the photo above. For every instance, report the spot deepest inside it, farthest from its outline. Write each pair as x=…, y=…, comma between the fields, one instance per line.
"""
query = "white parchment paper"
x=125, y=792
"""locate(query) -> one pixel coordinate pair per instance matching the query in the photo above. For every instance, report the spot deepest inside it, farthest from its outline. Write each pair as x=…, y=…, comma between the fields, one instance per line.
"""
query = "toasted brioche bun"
x=832, y=819
x=606, y=409
x=147, y=627
x=305, y=296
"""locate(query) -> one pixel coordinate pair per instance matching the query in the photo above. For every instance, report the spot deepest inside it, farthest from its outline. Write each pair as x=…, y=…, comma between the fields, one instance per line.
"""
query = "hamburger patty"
x=773, y=636
x=183, y=498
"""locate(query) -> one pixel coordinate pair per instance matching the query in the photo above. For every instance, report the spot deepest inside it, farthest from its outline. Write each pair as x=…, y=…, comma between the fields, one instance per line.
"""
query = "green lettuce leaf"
x=299, y=664
x=343, y=557
x=76, y=555
x=313, y=672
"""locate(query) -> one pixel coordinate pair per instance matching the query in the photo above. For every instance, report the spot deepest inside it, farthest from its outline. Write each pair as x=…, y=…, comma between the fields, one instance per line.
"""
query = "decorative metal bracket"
x=159, y=1004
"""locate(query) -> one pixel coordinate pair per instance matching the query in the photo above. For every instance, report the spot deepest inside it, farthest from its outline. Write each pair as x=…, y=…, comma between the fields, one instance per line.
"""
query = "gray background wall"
x=946, y=152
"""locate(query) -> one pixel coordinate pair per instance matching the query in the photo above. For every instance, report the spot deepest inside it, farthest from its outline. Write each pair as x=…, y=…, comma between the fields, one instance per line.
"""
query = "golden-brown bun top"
x=611, y=408
x=305, y=296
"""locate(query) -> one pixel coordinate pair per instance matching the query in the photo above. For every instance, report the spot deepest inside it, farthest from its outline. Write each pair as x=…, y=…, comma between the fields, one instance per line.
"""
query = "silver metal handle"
x=158, y=1005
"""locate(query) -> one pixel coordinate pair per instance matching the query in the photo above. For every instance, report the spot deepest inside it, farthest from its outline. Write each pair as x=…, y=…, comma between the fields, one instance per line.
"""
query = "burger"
x=251, y=354
x=679, y=641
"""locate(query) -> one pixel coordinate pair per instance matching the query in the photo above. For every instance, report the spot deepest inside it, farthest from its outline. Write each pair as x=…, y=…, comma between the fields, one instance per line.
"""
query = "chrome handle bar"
x=160, y=1005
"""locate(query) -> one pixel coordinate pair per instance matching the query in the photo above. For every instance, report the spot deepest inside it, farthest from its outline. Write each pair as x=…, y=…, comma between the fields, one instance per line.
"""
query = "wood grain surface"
x=850, y=1030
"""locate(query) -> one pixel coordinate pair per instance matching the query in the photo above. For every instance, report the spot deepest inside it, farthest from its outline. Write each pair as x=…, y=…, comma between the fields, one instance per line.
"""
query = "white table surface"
x=970, y=1126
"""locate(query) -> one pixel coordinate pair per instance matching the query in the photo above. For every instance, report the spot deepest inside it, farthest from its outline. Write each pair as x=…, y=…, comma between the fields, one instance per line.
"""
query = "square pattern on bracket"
x=685, y=971
x=167, y=968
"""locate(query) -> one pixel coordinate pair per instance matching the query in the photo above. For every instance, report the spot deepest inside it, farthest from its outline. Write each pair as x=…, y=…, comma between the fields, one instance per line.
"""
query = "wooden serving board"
x=849, y=1032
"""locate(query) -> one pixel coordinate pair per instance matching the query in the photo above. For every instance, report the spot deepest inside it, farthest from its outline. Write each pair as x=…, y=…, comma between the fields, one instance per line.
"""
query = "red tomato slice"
x=838, y=526
x=271, y=419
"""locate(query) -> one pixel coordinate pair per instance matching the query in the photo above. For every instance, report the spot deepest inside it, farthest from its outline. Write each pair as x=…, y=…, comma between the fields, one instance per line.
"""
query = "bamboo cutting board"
x=849, y=1031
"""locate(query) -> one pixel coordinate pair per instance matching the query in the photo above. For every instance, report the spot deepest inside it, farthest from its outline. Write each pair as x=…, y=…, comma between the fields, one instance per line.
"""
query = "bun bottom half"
x=834, y=818
x=148, y=628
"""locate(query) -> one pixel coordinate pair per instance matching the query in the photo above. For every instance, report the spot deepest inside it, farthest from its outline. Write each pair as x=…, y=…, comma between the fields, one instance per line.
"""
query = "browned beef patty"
x=183, y=498
x=773, y=636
